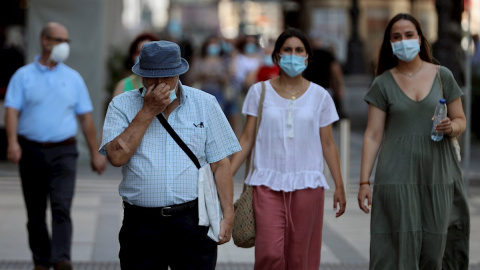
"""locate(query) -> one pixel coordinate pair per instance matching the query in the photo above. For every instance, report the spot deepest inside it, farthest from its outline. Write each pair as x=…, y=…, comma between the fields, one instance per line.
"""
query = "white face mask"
x=60, y=52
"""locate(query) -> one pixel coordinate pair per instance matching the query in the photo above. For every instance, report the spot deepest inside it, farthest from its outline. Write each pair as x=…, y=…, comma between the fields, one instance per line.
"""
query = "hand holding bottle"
x=440, y=121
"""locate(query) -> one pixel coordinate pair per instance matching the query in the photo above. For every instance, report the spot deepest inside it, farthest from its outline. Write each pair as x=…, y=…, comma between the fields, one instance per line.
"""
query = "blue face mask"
x=227, y=47
x=267, y=60
x=292, y=64
x=174, y=29
x=250, y=48
x=173, y=95
x=213, y=50
x=406, y=49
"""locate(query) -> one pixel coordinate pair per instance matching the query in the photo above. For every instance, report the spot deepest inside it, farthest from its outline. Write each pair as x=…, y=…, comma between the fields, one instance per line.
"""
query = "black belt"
x=68, y=141
x=166, y=211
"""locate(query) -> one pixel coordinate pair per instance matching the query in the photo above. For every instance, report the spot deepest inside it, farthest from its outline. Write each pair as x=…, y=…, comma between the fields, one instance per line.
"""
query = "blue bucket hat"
x=160, y=59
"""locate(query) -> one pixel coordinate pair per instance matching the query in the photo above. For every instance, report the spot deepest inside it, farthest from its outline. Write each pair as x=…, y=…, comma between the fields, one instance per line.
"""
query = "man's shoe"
x=40, y=268
x=63, y=266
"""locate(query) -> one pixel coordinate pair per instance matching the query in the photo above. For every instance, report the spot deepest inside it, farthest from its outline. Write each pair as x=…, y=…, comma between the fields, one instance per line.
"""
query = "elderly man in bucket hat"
x=160, y=182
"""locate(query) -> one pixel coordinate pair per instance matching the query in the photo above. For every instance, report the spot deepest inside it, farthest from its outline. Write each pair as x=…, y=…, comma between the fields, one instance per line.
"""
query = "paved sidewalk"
x=97, y=215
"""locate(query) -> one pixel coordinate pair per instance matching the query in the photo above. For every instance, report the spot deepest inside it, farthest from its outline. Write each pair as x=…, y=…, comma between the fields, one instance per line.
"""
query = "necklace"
x=411, y=73
x=294, y=94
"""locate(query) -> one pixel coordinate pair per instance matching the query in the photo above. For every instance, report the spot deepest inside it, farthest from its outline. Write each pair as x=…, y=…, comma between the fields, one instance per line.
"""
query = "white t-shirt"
x=288, y=153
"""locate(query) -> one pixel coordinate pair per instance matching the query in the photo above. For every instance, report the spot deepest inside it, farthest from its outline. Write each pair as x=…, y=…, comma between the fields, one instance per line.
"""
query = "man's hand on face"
x=157, y=98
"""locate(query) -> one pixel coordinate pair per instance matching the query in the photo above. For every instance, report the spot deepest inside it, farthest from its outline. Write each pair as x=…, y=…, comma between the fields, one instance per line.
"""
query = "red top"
x=267, y=72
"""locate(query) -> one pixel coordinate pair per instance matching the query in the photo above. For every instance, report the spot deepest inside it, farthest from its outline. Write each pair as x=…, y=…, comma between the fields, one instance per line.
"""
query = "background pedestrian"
x=42, y=102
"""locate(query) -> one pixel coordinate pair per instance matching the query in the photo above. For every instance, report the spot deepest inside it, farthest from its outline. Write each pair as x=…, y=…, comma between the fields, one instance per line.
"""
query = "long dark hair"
x=288, y=33
x=386, y=59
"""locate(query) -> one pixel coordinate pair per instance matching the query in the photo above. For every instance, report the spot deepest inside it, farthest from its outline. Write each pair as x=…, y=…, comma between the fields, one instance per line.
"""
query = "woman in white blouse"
x=294, y=136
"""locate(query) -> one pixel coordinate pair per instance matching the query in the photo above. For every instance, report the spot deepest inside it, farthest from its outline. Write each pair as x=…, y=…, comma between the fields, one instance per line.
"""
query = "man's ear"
x=43, y=42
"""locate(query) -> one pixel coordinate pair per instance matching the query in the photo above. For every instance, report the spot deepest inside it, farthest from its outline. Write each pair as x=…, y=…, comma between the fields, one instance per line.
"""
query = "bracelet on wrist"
x=364, y=183
x=451, y=131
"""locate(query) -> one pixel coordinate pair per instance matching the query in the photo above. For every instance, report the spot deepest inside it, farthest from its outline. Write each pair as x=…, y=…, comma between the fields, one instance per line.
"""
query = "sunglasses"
x=59, y=40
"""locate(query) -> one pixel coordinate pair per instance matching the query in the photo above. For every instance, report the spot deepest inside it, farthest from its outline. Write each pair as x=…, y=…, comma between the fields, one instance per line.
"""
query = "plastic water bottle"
x=440, y=114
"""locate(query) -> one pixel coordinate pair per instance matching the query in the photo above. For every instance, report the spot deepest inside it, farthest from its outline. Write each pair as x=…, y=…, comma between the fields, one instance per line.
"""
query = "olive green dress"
x=420, y=216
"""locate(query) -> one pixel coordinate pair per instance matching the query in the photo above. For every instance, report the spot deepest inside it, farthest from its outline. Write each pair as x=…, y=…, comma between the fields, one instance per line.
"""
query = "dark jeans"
x=150, y=241
x=48, y=173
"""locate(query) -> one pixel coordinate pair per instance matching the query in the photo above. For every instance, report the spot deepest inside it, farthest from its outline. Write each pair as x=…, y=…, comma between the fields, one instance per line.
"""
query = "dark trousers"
x=150, y=241
x=48, y=173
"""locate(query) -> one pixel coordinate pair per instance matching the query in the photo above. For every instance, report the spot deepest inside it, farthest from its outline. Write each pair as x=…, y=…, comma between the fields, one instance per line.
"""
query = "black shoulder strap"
x=177, y=138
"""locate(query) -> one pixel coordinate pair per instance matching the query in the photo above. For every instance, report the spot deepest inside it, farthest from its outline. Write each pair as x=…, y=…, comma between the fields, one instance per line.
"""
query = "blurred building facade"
x=335, y=20
x=352, y=28
x=339, y=20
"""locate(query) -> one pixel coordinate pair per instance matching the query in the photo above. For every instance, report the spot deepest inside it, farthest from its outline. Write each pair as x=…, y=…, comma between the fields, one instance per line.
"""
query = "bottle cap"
x=443, y=101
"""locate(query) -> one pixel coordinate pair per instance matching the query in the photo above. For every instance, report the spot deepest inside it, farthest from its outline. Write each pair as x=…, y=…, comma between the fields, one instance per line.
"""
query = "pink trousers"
x=289, y=228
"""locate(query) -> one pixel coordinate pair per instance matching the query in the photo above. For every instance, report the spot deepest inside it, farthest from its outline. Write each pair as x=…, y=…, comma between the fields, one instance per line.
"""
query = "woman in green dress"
x=420, y=216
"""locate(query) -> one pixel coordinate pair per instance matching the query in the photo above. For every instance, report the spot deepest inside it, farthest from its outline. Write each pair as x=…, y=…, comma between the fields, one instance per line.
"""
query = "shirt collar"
x=183, y=95
x=42, y=67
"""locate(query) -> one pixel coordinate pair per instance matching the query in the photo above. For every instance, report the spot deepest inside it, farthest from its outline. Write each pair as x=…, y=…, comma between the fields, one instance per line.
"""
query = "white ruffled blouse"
x=288, y=152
